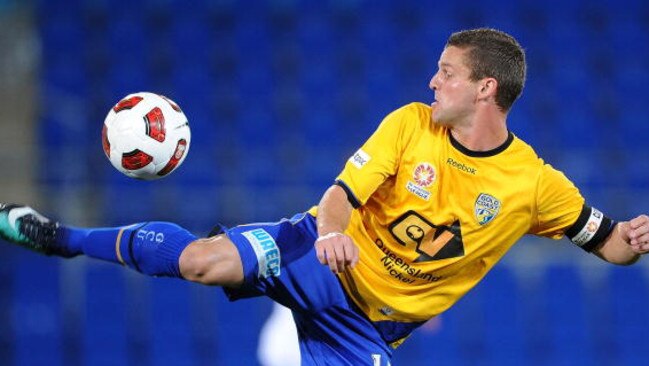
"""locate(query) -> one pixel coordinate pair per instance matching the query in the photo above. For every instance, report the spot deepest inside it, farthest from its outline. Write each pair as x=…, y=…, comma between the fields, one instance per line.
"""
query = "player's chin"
x=438, y=116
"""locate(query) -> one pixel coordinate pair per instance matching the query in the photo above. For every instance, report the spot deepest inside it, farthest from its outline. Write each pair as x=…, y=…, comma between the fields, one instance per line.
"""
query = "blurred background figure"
x=278, y=339
x=278, y=95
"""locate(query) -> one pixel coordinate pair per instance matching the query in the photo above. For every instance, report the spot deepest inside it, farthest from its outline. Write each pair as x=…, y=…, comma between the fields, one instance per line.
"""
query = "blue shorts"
x=279, y=261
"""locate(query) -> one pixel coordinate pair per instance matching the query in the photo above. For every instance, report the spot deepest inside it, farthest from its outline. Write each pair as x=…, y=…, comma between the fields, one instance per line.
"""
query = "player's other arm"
x=626, y=242
x=558, y=198
x=333, y=247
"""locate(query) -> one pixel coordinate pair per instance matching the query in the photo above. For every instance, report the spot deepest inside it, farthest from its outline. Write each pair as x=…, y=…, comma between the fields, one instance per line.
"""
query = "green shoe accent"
x=8, y=233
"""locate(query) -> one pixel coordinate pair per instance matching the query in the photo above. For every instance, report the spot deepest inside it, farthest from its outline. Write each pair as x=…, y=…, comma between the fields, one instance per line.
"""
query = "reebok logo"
x=460, y=166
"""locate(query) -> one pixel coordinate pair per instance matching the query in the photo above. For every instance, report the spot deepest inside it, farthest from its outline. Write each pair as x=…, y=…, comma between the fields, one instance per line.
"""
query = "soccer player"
x=419, y=214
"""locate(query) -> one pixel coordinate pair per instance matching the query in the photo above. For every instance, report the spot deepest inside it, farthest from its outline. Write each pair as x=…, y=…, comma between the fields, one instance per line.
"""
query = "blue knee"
x=154, y=248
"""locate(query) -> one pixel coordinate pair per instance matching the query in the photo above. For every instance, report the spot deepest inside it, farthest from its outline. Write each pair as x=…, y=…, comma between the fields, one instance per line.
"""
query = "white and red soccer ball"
x=146, y=136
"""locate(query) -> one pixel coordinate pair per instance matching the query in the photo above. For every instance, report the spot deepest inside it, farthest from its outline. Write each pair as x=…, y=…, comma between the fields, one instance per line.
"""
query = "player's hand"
x=337, y=250
x=637, y=231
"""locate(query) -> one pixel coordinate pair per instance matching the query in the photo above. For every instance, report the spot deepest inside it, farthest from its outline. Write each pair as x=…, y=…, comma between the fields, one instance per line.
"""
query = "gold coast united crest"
x=486, y=208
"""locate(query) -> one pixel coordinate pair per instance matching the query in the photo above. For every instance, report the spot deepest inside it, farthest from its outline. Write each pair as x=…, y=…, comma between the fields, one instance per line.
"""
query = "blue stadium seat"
x=134, y=201
x=203, y=322
x=503, y=329
x=171, y=323
x=7, y=254
x=105, y=334
x=567, y=313
x=36, y=316
x=127, y=42
x=468, y=319
x=628, y=293
x=536, y=325
x=191, y=43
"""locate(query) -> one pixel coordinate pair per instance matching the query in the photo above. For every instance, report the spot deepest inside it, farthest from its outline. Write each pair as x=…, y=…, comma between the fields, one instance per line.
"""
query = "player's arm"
x=590, y=229
x=364, y=172
x=333, y=247
x=626, y=242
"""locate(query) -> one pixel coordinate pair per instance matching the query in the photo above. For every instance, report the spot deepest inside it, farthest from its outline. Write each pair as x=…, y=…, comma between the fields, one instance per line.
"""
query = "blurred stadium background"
x=278, y=95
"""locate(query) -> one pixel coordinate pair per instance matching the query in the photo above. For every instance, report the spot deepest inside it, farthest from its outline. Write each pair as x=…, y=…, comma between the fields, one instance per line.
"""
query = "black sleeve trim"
x=580, y=223
x=591, y=229
x=350, y=195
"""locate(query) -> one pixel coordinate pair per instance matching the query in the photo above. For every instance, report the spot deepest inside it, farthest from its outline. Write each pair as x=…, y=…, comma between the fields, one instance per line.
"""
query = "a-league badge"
x=486, y=208
x=424, y=175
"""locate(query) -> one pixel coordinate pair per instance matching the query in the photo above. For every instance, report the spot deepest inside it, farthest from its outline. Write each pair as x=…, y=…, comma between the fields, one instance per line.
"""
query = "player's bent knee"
x=212, y=261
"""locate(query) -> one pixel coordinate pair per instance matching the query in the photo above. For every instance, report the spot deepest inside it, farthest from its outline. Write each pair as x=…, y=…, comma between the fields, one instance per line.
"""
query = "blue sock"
x=152, y=248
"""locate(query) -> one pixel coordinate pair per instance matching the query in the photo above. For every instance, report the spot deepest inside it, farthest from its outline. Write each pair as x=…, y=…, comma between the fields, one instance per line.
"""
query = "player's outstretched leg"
x=152, y=248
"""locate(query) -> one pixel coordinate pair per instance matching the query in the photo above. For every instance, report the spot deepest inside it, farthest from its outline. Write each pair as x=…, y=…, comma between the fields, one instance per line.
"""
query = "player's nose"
x=432, y=84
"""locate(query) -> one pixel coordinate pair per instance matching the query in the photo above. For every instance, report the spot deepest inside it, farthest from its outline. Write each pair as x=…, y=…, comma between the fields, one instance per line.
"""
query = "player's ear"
x=487, y=88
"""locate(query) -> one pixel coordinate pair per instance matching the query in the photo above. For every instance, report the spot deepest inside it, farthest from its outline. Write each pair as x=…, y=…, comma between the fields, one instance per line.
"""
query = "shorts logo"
x=360, y=158
x=268, y=255
x=424, y=175
x=486, y=208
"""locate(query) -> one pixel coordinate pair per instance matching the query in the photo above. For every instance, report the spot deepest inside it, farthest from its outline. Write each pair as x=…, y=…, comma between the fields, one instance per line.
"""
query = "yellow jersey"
x=433, y=217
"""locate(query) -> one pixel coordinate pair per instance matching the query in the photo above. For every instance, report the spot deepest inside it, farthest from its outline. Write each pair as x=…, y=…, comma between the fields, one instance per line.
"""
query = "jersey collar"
x=481, y=154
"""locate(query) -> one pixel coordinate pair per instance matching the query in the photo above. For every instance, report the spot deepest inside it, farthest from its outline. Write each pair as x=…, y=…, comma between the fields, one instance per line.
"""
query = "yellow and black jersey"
x=432, y=217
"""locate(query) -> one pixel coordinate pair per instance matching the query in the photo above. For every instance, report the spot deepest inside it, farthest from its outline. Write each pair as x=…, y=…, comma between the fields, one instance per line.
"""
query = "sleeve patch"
x=360, y=158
